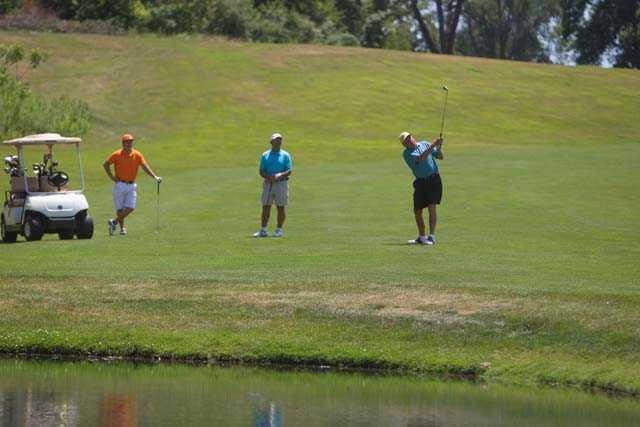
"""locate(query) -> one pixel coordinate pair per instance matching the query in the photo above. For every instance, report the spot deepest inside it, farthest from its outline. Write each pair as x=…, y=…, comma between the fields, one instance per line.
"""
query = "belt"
x=127, y=182
x=429, y=177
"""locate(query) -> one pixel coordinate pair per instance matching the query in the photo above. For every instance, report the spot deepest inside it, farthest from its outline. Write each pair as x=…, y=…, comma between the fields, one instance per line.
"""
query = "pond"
x=127, y=394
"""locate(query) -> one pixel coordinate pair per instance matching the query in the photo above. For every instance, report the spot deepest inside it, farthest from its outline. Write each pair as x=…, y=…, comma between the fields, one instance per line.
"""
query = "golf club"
x=444, y=108
x=158, y=206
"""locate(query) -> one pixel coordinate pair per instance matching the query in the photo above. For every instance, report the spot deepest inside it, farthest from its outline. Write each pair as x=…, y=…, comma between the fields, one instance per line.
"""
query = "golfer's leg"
x=419, y=221
x=266, y=212
x=432, y=219
x=118, y=200
x=129, y=203
x=281, y=216
x=122, y=214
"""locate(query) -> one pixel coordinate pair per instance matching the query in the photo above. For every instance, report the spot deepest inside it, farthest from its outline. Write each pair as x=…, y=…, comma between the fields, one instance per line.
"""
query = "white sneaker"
x=112, y=226
x=123, y=231
x=418, y=241
x=261, y=233
x=278, y=232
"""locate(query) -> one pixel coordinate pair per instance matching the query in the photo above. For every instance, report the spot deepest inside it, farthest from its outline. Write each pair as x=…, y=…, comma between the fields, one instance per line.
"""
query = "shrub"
x=120, y=13
x=276, y=24
x=229, y=18
x=24, y=112
x=342, y=39
x=180, y=16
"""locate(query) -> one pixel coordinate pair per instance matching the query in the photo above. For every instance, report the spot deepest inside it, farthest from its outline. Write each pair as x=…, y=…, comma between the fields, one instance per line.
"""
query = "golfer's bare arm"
x=107, y=168
x=282, y=175
x=147, y=169
x=428, y=151
x=275, y=176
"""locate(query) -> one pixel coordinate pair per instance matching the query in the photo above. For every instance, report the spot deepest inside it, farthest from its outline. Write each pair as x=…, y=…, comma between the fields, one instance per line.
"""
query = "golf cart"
x=43, y=203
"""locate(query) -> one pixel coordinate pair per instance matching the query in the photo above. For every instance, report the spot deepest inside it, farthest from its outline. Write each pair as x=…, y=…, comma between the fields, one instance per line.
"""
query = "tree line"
x=584, y=31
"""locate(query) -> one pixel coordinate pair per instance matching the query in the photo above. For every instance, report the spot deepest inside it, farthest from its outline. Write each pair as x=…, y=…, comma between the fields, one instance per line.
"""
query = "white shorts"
x=277, y=192
x=125, y=195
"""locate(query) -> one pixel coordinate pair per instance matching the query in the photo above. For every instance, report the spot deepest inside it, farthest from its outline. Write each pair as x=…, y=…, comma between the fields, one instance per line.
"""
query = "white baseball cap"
x=404, y=136
x=275, y=136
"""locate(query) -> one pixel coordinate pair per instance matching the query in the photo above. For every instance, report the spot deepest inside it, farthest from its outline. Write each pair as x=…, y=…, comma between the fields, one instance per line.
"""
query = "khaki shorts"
x=277, y=192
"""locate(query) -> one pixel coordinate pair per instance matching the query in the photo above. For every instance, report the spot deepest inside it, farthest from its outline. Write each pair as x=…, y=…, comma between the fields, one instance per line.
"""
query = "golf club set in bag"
x=46, y=171
x=12, y=166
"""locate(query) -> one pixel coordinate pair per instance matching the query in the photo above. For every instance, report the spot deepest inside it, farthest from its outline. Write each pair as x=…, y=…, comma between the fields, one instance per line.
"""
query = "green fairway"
x=535, y=278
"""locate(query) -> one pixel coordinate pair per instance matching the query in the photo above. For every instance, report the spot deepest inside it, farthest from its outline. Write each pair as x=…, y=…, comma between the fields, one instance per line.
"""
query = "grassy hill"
x=535, y=277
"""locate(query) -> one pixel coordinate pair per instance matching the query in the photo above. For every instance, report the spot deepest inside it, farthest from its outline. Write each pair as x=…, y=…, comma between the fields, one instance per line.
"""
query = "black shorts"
x=427, y=191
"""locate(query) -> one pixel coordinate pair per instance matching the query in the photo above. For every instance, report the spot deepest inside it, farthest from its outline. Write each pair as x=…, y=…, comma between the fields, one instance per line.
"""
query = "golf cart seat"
x=15, y=199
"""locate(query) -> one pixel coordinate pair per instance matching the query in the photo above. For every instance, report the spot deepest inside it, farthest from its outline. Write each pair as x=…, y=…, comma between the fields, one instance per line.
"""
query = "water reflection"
x=54, y=394
x=34, y=407
x=119, y=410
x=266, y=414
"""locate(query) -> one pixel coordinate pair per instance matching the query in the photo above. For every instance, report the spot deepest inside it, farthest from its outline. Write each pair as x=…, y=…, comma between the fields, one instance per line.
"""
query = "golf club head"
x=445, y=88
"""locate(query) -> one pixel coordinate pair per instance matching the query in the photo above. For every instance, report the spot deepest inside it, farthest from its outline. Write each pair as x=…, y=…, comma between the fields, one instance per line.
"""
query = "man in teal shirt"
x=275, y=168
x=427, y=186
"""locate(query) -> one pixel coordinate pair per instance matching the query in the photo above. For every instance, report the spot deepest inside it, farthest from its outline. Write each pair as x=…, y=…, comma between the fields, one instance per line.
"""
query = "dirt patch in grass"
x=187, y=305
x=422, y=305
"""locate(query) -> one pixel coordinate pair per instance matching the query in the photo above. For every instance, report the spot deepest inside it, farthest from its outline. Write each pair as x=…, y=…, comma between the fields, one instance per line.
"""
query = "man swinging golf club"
x=275, y=168
x=126, y=162
x=427, y=186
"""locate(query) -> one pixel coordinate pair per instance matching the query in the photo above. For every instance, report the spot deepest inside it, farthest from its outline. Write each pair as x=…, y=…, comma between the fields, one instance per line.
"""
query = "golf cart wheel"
x=7, y=237
x=84, y=226
x=65, y=235
x=33, y=228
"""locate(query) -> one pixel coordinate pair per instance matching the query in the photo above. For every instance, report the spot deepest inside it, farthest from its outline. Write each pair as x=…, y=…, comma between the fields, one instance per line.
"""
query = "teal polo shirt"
x=272, y=162
x=421, y=169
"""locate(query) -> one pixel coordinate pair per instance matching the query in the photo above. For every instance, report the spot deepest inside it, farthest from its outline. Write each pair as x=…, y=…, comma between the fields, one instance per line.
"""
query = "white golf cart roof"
x=43, y=139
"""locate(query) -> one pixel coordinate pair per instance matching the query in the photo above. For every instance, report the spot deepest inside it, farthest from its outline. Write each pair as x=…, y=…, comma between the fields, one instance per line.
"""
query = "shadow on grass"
x=405, y=244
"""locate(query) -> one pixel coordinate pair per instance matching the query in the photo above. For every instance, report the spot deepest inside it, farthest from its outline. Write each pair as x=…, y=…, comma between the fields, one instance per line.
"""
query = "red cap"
x=127, y=137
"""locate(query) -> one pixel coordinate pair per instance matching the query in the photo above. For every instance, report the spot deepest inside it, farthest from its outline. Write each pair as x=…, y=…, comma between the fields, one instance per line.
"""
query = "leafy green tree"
x=385, y=28
x=375, y=31
x=275, y=23
x=601, y=27
x=506, y=29
x=352, y=16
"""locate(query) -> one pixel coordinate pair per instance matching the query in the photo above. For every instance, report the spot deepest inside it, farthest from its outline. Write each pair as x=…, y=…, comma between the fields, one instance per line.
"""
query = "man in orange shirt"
x=126, y=162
